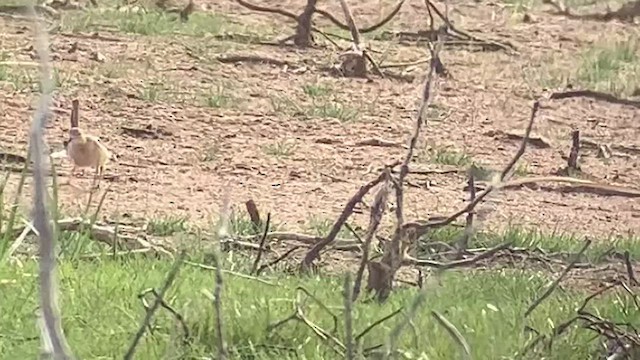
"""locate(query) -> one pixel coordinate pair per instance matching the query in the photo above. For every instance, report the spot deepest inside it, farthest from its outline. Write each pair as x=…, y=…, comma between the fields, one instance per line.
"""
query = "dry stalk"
x=53, y=340
x=277, y=260
x=368, y=29
x=381, y=275
x=421, y=228
x=314, y=252
x=463, y=243
x=377, y=211
x=572, y=161
x=156, y=304
x=303, y=37
x=169, y=308
x=454, y=332
x=354, y=62
x=254, y=268
x=298, y=315
x=458, y=263
x=630, y=272
x=556, y=282
x=596, y=95
x=462, y=34
x=217, y=305
x=348, y=318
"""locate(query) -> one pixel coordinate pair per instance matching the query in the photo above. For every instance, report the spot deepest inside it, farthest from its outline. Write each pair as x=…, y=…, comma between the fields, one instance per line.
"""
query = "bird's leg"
x=99, y=174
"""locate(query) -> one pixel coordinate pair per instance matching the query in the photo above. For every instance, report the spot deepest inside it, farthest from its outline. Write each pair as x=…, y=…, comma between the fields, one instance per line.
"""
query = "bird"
x=87, y=151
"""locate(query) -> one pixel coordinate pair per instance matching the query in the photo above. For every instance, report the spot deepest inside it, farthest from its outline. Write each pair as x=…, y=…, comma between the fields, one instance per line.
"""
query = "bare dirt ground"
x=259, y=141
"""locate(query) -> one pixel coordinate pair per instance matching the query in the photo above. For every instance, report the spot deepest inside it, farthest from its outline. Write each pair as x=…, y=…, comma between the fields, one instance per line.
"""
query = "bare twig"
x=463, y=244
x=377, y=211
x=348, y=317
x=277, y=260
x=368, y=29
x=314, y=252
x=630, y=272
x=381, y=275
x=53, y=339
x=152, y=309
x=322, y=334
x=572, y=162
x=556, y=282
x=169, y=308
x=254, y=268
x=378, y=322
x=397, y=330
x=458, y=263
x=449, y=26
x=454, y=332
x=596, y=95
x=217, y=304
x=229, y=272
x=254, y=214
x=422, y=229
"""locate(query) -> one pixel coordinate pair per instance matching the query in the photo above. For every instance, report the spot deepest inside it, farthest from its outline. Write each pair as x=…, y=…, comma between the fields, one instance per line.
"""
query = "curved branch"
x=267, y=10
x=371, y=28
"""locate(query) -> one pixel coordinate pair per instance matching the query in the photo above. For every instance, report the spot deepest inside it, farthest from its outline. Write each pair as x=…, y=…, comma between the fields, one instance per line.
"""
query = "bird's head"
x=75, y=133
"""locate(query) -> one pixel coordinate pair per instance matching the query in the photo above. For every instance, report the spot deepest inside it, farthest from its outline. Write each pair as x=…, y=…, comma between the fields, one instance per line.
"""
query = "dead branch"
x=277, y=260
x=217, y=307
x=75, y=113
x=377, y=211
x=303, y=37
x=463, y=243
x=298, y=315
x=575, y=185
x=556, y=282
x=102, y=233
x=169, y=308
x=254, y=268
x=354, y=62
x=232, y=59
x=366, y=330
x=466, y=36
x=368, y=29
x=348, y=317
x=254, y=214
x=422, y=228
x=152, y=309
x=314, y=252
x=268, y=10
x=572, y=162
x=52, y=336
x=454, y=333
x=381, y=275
x=458, y=263
x=229, y=272
x=13, y=158
x=630, y=272
x=596, y=95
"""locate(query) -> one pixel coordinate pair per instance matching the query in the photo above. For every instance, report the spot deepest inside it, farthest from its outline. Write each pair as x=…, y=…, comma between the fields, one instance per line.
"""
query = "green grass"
x=99, y=302
x=612, y=67
x=167, y=226
x=280, y=148
x=608, y=66
x=447, y=156
x=219, y=98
